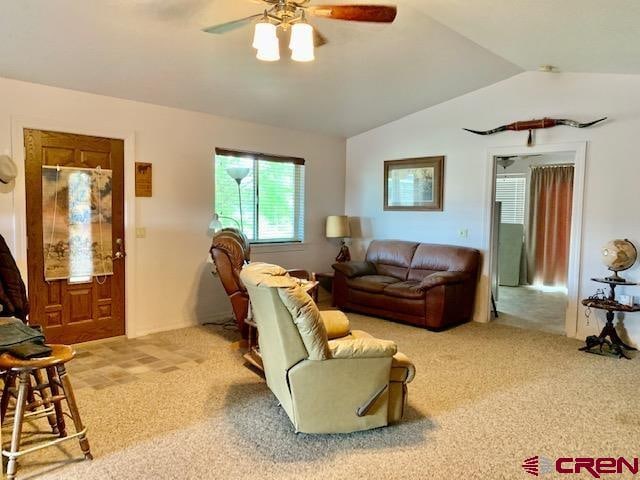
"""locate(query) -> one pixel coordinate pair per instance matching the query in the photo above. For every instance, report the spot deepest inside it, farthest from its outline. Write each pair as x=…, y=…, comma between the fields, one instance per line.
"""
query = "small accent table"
x=610, y=305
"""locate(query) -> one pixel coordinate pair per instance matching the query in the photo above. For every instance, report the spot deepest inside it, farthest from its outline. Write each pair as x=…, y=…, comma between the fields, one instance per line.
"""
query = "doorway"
x=536, y=212
x=75, y=235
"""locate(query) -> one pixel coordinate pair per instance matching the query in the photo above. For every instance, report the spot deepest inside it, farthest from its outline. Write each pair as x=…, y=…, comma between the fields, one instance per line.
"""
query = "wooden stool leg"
x=23, y=387
x=41, y=386
x=6, y=395
x=55, y=391
x=73, y=408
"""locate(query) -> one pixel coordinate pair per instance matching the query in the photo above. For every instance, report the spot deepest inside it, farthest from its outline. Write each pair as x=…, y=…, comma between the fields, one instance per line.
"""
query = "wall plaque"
x=144, y=183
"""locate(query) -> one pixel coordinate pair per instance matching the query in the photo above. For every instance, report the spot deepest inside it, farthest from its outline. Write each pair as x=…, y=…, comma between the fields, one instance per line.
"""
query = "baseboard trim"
x=185, y=323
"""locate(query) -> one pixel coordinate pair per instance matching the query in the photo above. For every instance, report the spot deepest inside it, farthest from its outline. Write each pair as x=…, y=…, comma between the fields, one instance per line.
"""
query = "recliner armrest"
x=355, y=269
x=336, y=323
x=362, y=348
x=443, y=278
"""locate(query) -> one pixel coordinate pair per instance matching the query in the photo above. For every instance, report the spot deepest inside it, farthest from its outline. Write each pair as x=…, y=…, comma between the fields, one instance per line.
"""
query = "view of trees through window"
x=272, y=196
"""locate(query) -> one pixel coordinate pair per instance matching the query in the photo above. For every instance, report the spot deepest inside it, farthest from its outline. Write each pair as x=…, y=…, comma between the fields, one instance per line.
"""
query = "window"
x=269, y=206
x=511, y=192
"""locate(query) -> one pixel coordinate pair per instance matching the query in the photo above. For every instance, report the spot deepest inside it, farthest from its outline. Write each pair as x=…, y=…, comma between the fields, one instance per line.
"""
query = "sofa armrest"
x=362, y=348
x=355, y=269
x=443, y=278
x=336, y=323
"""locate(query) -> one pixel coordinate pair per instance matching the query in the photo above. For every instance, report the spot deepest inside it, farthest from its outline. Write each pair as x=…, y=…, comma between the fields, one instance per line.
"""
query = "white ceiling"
x=154, y=51
x=368, y=75
x=600, y=36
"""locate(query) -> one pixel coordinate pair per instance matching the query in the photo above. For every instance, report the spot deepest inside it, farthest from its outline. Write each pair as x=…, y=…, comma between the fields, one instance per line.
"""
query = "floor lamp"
x=239, y=174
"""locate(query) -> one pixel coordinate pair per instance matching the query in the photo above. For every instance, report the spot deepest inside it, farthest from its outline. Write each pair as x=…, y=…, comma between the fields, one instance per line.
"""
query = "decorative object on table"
x=414, y=184
x=532, y=125
x=76, y=222
x=144, y=179
x=8, y=174
x=619, y=255
x=292, y=14
x=338, y=227
x=239, y=174
x=628, y=300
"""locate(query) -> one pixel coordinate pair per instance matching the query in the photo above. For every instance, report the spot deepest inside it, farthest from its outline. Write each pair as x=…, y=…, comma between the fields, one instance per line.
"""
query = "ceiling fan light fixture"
x=269, y=53
x=264, y=35
x=301, y=44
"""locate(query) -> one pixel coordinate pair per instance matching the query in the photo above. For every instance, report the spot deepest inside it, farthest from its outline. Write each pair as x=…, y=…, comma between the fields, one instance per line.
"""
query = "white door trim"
x=573, y=276
x=18, y=124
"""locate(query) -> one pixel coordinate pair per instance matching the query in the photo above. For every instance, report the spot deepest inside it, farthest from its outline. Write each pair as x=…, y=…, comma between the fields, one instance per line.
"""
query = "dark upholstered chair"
x=230, y=251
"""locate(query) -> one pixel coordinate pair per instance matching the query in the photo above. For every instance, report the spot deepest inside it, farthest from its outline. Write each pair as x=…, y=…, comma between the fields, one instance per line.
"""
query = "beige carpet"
x=485, y=398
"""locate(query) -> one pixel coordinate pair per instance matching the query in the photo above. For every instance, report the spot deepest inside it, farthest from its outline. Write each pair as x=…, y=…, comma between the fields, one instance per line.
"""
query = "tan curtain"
x=549, y=233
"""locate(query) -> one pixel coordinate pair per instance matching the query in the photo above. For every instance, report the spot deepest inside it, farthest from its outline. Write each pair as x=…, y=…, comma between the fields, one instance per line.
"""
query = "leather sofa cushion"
x=371, y=283
x=409, y=306
x=408, y=289
x=445, y=258
x=391, y=257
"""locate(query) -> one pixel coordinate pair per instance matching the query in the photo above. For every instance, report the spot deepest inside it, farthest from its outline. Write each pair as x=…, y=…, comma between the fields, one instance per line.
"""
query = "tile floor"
x=101, y=364
x=104, y=363
x=527, y=307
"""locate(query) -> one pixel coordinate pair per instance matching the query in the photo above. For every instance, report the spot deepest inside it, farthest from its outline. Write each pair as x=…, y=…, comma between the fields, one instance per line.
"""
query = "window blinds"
x=272, y=196
x=511, y=192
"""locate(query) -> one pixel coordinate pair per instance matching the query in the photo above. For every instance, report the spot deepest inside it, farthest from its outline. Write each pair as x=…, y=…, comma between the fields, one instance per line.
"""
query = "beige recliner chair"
x=339, y=385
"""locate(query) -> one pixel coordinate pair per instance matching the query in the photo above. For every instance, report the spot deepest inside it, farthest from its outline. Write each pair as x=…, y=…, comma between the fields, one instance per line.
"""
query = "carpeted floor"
x=485, y=398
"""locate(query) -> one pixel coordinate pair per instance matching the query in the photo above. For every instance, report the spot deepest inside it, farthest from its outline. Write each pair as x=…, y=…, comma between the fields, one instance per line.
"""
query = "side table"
x=610, y=305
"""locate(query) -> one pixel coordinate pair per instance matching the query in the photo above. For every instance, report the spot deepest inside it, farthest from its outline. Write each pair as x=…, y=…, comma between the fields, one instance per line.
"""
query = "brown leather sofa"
x=430, y=286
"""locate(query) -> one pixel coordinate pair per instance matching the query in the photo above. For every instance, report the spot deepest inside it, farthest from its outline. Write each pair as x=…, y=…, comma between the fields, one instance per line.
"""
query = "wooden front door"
x=78, y=309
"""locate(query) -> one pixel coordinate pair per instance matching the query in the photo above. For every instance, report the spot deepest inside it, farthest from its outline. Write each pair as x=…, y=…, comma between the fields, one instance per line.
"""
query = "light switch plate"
x=141, y=232
x=463, y=233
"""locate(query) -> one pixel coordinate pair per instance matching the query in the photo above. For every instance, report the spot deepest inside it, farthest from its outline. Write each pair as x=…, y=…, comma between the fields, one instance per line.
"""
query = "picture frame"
x=414, y=184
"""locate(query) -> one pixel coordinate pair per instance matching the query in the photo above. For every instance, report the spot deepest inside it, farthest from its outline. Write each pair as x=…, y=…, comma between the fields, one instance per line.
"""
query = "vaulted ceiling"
x=368, y=75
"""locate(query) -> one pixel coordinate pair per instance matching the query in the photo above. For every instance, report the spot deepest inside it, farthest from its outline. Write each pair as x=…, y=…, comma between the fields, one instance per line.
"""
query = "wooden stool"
x=52, y=393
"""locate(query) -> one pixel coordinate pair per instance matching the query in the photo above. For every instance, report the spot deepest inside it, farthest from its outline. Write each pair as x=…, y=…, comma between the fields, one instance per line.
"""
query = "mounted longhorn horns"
x=535, y=125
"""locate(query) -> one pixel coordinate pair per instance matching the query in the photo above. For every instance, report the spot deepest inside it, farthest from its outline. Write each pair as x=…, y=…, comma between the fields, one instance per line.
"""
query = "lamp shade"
x=301, y=45
x=338, y=226
x=264, y=34
x=237, y=173
x=216, y=225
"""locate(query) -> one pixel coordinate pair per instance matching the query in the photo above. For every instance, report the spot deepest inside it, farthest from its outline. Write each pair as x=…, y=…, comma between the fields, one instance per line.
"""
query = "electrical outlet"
x=463, y=233
x=141, y=232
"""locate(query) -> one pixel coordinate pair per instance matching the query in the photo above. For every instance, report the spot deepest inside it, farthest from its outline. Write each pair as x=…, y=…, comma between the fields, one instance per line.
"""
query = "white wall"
x=174, y=287
x=612, y=177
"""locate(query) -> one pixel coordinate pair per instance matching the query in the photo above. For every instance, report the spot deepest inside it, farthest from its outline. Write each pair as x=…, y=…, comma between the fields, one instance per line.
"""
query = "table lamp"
x=338, y=227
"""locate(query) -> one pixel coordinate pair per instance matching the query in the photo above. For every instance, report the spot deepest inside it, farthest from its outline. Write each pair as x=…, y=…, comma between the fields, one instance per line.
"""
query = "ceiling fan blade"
x=233, y=25
x=356, y=13
x=318, y=38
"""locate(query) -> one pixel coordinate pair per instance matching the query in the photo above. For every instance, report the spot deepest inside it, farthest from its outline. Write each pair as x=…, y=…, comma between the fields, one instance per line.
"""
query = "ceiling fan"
x=506, y=161
x=292, y=14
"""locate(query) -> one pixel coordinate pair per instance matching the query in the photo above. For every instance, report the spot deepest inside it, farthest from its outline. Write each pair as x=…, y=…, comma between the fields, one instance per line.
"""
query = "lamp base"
x=344, y=255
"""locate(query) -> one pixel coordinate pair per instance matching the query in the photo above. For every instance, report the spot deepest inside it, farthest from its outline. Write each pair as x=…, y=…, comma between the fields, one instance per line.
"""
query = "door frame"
x=18, y=124
x=573, y=275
